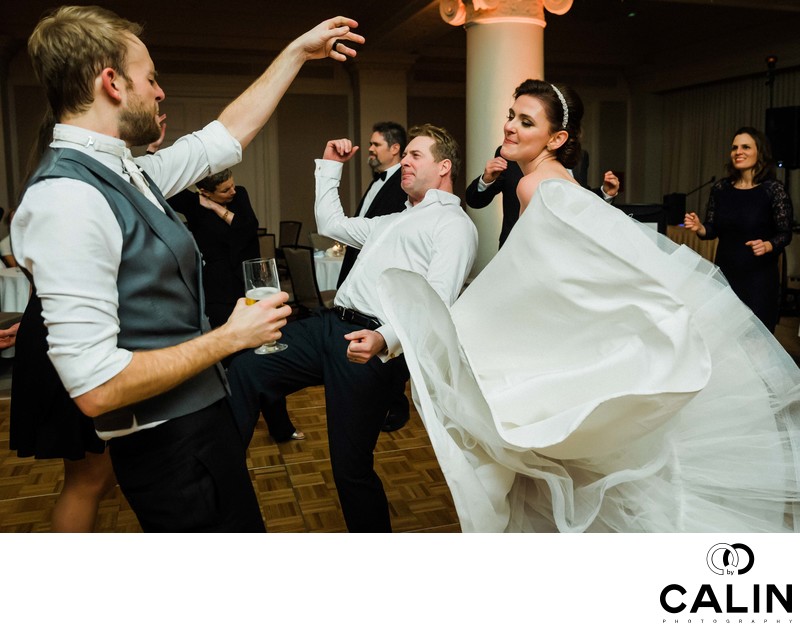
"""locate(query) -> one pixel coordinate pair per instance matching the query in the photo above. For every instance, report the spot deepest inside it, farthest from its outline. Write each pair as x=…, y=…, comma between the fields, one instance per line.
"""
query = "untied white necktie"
x=123, y=153
x=137, y=179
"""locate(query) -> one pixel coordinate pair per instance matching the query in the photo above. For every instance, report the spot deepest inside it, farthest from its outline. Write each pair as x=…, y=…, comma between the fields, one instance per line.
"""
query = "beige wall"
x=448, y=112
x=621, y=126
x=305, y=123
x=277, y=168
x=5, y=193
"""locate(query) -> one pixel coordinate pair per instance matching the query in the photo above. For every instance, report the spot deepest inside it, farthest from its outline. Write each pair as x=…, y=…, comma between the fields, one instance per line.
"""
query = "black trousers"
x=188, y=475
x=400, y=377
x=278, y=421
x=356, y=398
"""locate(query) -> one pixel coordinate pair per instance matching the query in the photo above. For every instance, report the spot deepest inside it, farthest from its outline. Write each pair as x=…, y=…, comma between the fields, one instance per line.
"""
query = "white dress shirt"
x=67, y=236
x=435, y=238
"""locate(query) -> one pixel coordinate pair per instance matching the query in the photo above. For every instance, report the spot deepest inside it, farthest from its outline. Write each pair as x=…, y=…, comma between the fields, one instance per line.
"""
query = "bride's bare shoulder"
x=528, y=184
x=526, y=188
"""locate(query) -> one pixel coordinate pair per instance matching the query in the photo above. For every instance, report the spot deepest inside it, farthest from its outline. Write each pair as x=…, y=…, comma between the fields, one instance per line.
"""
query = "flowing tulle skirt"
x=597, y=377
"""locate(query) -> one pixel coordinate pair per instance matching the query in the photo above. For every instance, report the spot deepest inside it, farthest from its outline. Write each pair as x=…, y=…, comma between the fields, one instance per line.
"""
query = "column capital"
x=459, y=12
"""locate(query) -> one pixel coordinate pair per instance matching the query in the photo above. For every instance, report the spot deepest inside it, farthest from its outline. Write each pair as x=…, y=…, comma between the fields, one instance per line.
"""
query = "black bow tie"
x=379, y=176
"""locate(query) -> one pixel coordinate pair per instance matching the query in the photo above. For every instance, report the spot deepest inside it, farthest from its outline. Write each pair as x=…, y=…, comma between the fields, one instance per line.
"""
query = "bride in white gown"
x=595, y=376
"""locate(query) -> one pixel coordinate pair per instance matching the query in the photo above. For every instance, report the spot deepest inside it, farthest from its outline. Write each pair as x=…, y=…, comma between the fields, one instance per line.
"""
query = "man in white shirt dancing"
x=350, y=348
x=119, y=277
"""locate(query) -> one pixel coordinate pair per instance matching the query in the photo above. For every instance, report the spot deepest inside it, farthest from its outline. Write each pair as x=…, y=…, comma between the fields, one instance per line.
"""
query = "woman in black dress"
x=46, y=423
x=224, y=226
x=751, y=214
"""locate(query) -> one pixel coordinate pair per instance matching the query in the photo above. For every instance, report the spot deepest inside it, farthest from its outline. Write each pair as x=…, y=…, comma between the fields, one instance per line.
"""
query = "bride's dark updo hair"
x=569, y=154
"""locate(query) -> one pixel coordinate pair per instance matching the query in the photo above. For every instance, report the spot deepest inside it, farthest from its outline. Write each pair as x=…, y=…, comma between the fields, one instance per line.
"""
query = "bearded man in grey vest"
x=119, y=277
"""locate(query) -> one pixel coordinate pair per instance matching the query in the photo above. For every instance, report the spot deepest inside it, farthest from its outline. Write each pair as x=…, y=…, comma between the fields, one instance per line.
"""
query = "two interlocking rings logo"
x=725, y=555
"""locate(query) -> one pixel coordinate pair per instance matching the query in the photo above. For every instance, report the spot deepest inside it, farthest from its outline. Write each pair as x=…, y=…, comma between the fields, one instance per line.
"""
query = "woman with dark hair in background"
x=595, y=376
x=224, y=225
x=751, y=215
x=221, y=219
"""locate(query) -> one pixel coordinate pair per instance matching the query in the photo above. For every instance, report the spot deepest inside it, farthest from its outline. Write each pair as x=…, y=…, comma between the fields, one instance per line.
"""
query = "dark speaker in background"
x=783, y=130
x=652, y=215
x=675, y=206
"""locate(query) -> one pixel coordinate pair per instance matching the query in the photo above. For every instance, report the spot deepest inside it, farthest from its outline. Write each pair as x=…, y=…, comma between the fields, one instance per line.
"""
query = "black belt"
x=349, y=315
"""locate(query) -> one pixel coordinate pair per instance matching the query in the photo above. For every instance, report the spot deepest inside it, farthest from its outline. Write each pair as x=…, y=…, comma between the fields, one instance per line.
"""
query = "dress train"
x=597, y=377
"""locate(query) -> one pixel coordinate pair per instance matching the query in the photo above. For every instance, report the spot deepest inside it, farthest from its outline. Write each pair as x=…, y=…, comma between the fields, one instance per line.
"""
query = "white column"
x=505, y=46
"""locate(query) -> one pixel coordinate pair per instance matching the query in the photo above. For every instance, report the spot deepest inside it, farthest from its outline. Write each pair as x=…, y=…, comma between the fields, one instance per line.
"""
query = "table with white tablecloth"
x=14, y=293
x=705, y=248
x=14, y=289
x=327, y=268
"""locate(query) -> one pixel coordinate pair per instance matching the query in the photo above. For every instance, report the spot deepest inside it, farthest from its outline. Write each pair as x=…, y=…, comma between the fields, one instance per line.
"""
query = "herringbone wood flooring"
x=293, y=480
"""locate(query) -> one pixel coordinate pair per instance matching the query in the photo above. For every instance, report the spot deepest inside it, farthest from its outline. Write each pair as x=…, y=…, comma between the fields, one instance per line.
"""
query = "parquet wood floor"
x=293, y=480
x=787, y=334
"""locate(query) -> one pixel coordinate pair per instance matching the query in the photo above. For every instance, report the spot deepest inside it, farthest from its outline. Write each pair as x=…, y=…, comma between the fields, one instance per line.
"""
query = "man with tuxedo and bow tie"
x=384, y=196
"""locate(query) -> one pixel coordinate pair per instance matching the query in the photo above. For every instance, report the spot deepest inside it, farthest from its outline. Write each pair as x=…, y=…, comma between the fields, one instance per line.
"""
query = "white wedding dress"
x=597, y=377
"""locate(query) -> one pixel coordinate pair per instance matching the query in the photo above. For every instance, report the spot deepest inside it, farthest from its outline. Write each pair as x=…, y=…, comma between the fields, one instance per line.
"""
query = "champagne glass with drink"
x=261, y=281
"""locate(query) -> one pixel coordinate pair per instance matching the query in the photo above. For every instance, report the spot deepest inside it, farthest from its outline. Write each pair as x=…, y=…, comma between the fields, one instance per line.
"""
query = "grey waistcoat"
x=160, y=287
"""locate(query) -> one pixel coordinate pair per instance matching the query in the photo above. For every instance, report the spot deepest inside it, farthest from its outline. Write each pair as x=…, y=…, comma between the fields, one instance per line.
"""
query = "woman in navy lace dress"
x=751, y=214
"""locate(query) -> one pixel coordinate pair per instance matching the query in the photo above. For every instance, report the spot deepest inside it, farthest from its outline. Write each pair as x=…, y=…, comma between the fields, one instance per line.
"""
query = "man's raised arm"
x=245, y=116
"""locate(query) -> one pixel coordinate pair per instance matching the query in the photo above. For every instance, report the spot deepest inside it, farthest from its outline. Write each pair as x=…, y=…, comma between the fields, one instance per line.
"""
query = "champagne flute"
x=261, y=280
